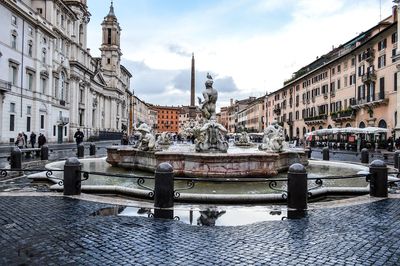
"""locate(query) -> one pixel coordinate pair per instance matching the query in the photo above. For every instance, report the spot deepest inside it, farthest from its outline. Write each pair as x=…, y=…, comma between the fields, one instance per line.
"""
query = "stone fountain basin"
x=247, y=163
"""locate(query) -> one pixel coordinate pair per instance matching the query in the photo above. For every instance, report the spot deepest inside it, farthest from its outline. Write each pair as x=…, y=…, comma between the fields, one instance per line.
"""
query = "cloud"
x=179, y=50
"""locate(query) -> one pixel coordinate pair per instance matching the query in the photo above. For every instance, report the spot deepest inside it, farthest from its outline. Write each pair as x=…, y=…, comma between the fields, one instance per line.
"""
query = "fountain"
x=210, y=156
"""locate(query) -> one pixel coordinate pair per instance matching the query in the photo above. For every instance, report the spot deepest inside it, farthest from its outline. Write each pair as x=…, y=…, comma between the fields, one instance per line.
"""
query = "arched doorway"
x=320, y=127
x=329, y=126
x=313, y=129
x=382, y=124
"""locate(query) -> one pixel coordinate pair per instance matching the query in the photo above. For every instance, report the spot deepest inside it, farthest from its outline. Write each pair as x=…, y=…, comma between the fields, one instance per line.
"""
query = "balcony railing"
x=5, y=85
x=348, y=114
x=318, y=119
x=369, y=76
x=371, y=99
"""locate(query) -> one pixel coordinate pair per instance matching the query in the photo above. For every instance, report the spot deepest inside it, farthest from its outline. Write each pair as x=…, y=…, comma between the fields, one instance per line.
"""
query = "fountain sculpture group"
x=210, y=157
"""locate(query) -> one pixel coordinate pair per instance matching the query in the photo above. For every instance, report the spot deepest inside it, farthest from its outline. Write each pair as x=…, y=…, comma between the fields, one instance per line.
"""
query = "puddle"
x=207, y=217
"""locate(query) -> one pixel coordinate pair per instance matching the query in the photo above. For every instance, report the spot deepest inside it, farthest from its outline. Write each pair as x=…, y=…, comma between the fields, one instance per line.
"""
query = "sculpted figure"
x=210, y=98
x=147, y=141
x=273, y=139
x=244, y=139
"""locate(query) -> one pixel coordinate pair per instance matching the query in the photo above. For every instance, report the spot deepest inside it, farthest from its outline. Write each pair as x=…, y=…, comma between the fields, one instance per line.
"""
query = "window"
x=108, y=36
x=381, y=61
x=352, y=79
x=62, y=86
x=28, y=124
x=41, y=121
x=43, y=85
x=14, y=40
x=382, y=45
x=29, y=81
x=333, y=71
x=108, y=61
x=353, y=61
x=345, y=81
x=29, y=110
x=338, y=84
x=81, y=95
x=30, y=31
x=44, y=56
x=395, y=81
x=30, y=48
x=394, y=37
x=14, y=74
x=65, y=131
x=12, y=107
x=54, y=130
x=338, y=68
x=39, y=10
x=12, y=122
x=13, y=20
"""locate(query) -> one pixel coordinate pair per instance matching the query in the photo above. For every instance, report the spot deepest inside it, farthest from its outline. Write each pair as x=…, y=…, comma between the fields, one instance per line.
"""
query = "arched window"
x=361, y=125
x=313, y=129
x=320, y=127
x=382, y=124
x=329, y=126
x=348, y=125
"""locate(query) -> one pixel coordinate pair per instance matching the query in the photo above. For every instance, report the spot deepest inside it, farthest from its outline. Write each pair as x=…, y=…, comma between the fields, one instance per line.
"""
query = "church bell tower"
x=110, y=47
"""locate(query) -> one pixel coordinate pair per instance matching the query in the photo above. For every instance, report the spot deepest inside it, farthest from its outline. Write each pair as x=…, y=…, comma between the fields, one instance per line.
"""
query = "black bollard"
x=80, y=151
x=44, y=153
x=92, y=149
x=364, y=155
x=378, y=185
x=396, y=157
x=16, y=158
x=164, y=191
x=72, y=176
x=297, y=187
x=325, y=154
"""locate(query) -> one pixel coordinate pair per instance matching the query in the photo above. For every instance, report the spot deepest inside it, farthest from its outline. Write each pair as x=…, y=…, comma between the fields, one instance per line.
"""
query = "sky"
x=249, y=46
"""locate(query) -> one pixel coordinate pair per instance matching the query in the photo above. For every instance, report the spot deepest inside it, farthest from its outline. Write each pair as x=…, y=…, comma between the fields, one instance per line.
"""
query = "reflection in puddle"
x=214, y=216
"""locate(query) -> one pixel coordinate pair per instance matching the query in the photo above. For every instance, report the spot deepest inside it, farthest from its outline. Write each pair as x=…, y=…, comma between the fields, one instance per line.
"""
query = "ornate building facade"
x=49, y=82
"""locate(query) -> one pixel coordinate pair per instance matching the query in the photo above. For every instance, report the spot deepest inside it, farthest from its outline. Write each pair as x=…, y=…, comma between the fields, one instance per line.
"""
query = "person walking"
x=79, y=136
x=41, y=140
x=20, y=142
x=26, y=139
x=32, y=139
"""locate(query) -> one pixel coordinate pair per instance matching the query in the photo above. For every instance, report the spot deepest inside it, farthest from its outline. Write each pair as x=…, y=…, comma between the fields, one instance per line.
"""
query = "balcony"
x=369, y=77
x=345, y=115
x=5, y=85
x=369, y=101
x=277, y=111
x=318, y=119
x=63, y=120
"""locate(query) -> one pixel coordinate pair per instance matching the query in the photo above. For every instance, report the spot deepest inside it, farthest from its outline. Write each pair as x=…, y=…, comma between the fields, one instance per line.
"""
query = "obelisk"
x=192, y=107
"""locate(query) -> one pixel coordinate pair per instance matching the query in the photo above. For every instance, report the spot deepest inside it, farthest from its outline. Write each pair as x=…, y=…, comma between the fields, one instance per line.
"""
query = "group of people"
x=22, y=140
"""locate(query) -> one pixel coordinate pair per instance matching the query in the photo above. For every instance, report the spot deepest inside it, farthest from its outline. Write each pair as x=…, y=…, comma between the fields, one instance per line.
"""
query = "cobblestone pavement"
x=59, y=230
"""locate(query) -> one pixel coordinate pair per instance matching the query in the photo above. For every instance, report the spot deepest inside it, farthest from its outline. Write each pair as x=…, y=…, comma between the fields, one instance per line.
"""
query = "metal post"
x=164, y=191
x=364, y=155
x=16, y=158
x=72, y=176
x=325, y=154
x=379, y=179
x=81, y=151
x=396, y=157
x=92, y=149
x=44, y=153
x=297, y=187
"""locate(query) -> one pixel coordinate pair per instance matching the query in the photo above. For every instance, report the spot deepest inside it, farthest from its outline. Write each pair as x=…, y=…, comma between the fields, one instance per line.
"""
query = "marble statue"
x=244, y=139
x=210, y=98
x=147, y=140
x=212, y=134
x=164, y=139
x=273, y=139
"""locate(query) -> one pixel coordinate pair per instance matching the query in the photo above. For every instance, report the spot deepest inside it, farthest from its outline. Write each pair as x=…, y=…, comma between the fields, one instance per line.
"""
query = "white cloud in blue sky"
x=251, y=46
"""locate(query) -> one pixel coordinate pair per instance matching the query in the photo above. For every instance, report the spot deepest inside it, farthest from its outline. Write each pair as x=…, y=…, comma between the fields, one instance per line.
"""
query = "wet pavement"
x=51, y=230
x=38, y=227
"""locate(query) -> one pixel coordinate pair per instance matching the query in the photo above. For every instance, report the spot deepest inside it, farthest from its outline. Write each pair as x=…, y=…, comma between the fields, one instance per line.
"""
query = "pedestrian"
x=125, y=139
x=32, y=139
x=20, y=142
x=78, y=136
x=26, y=139
x=41, y=140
